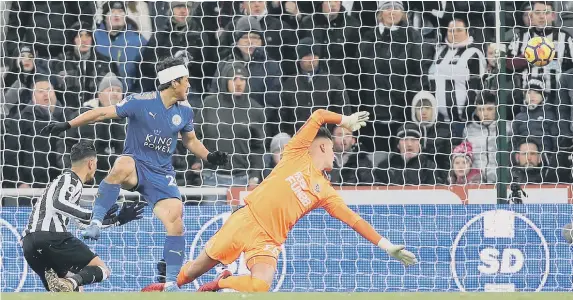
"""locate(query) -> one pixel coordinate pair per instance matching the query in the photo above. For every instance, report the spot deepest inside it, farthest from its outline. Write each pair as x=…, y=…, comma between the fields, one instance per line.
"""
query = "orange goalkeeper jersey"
x=296, y=186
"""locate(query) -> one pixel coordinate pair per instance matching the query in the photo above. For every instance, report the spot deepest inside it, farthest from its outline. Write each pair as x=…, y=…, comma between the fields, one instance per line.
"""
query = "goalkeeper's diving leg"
x=261, y=277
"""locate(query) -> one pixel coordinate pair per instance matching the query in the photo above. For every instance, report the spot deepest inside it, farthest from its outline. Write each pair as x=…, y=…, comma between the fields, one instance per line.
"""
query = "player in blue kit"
x=155, y=119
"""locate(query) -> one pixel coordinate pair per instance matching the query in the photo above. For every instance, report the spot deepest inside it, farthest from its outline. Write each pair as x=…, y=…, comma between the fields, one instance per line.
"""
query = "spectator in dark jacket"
x=43, y=23
x=279, y=38
x=532, y=164
x=409, y=166
x=120, y=41
x=213, y=16
x=80, y=68
x=438, y=134
x=339, y=35
x=249, y=48
x=231, y=121
x=537, y=118
x=312, y=89
x=351, y=166
x=565, y=109
x=19, y=81
x=292, y=12
x=31, y=158
x=180, y=34
x=391, y=73
x=108, y=135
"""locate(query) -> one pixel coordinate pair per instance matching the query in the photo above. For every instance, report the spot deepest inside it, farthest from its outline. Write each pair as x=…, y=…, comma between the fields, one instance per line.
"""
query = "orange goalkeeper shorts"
x=241, y=233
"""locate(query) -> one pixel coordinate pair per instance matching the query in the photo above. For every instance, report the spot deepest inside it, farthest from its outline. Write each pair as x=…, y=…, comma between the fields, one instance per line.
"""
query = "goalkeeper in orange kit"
x=296, y=186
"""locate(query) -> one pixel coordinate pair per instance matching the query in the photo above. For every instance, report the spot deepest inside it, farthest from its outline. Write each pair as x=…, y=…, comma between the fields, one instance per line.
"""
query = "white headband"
x=172, y=73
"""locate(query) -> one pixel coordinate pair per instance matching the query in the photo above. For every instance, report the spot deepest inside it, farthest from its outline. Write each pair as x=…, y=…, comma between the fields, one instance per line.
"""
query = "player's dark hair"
x=82, y=150
x=546, y=3
x=168, y=63
x=323, y=132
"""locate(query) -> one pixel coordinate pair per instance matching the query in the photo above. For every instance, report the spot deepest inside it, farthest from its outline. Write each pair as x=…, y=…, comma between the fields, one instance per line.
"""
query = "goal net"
x=466, y=158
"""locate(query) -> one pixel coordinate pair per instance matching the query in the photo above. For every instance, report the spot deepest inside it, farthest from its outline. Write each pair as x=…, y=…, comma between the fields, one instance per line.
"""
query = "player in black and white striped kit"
x=63, y=262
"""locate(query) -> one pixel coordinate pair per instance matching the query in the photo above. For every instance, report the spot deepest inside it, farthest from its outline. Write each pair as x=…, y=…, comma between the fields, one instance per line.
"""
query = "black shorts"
x=60, y=251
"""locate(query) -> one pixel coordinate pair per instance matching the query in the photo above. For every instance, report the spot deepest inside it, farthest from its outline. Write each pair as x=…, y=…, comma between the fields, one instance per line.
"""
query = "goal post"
x=502, y=144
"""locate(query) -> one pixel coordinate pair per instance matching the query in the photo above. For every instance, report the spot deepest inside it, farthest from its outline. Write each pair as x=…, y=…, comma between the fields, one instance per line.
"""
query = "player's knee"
x=122, y=168
x=170, y=212
x=106, y=271
x=259, y=285
x=175, y=227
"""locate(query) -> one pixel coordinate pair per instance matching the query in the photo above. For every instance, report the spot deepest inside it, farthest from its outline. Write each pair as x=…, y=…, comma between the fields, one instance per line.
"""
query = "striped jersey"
x=551, y=73
x=58, y=203
x=455, y=77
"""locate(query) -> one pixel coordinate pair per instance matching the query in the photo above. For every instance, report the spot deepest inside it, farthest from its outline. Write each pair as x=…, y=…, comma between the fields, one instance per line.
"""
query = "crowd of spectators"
x=426, y=71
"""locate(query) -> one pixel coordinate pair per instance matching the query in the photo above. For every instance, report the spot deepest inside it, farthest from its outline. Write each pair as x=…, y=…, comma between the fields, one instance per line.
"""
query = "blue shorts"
x=155, y=184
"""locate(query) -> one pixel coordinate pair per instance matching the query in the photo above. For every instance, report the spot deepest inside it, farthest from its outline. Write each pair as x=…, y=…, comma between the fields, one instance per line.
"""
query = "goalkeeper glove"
x=218, y=158
x=55, y=128
x=398, y=252
x=355, y=121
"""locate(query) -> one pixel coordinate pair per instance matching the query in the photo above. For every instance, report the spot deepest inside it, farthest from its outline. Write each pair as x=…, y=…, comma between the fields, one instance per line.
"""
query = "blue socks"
x=174, y=253
x=106, y=196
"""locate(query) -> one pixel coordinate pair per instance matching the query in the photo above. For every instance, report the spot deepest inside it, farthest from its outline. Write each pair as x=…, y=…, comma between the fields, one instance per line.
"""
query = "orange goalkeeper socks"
x=244, y=283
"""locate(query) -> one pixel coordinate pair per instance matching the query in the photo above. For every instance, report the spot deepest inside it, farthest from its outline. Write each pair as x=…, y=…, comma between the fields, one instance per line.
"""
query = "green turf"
x=288, y=296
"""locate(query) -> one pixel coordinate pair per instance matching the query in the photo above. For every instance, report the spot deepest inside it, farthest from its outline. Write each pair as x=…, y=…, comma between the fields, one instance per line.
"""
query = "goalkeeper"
x=50, y=250
x=260, y=227
x=155, y=120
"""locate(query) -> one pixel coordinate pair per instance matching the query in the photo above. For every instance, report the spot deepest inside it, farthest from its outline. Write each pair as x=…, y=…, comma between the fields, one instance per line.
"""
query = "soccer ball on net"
x=539, y=51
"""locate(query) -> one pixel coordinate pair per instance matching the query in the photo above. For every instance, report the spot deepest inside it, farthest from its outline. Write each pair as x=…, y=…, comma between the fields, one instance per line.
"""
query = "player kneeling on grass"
x=296, y=186
x=53, y=252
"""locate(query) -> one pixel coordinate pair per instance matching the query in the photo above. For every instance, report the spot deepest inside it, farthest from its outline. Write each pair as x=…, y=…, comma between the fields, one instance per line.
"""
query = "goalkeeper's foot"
x=57, y=284
x=154, y=287
x=213, y=286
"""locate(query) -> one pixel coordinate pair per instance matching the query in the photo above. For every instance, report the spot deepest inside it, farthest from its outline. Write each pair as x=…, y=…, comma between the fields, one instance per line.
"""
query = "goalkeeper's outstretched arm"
x=336, y=207
x=306, y=134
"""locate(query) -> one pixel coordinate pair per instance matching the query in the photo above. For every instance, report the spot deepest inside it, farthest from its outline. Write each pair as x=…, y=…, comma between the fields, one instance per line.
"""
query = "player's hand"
x=92, y=232
x=130, y=212
x=398, y=252
x=218, y=158
x=55, y=128
x=355, y=121
x=404, y=256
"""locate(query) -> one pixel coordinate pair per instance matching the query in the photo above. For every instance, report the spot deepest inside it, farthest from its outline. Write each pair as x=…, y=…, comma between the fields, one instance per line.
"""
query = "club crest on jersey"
x=176, y=120
x=317, y=188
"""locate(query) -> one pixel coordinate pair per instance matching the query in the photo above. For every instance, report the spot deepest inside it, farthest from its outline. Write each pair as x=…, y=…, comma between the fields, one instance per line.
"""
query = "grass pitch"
x=287, y=296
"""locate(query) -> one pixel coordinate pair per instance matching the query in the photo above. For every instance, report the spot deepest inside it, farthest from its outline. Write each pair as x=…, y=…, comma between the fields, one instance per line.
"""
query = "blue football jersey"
x=152, y=129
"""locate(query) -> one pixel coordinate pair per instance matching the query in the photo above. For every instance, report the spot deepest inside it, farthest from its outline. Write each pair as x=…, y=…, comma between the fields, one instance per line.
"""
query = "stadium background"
x=60, y=58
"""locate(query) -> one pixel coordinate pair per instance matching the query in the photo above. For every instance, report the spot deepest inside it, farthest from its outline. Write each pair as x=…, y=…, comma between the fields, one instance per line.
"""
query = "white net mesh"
x=449, y=121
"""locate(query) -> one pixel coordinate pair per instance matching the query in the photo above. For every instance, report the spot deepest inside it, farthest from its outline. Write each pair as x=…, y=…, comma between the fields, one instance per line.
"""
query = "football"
x=539, y=51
